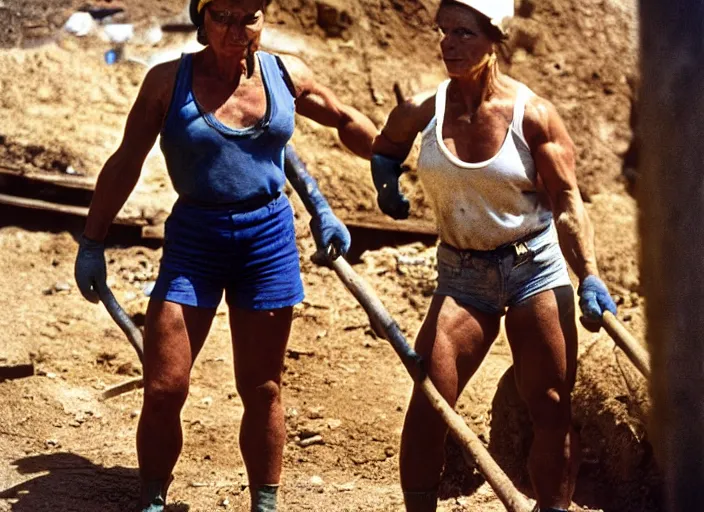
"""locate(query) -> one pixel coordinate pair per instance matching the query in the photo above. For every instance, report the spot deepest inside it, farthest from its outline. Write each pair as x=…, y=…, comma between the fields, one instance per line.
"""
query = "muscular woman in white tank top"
x=490, y=150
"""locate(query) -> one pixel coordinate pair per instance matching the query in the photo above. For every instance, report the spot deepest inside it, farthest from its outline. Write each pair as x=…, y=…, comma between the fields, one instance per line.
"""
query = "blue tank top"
x=211, y=163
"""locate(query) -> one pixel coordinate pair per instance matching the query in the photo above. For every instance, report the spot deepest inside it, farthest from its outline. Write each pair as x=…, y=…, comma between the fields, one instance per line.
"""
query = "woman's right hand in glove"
x=385, y=173
x=90, y=269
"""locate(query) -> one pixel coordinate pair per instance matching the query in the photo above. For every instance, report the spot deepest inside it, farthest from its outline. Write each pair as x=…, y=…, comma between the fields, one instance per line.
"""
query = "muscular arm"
x=121, y=172
x=317, y=102
x=554, y=156
x=402, y=127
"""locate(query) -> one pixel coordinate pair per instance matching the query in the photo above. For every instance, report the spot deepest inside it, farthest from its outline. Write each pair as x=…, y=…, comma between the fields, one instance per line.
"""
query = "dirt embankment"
x=62, y=107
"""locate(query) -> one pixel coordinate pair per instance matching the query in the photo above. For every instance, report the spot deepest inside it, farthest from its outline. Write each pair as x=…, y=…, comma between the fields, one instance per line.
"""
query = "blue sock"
x=153, y=496
x=264, y=498
x=549, y=509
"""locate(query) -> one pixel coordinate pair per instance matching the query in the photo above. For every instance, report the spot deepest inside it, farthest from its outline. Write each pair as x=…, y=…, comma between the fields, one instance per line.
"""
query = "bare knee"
x=166, y=396
x=550, y=408
x=262, y=395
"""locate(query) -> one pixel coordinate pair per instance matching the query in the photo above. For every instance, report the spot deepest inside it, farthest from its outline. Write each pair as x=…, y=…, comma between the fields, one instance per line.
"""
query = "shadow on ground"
x=67, y=482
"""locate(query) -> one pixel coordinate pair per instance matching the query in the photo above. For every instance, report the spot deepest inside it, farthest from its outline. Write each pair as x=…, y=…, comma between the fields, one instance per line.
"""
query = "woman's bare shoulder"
x=161, y=78
x=542, y=121
x=412, y=115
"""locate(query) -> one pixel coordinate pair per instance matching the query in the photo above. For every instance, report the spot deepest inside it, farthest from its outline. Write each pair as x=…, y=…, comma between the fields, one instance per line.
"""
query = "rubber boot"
x=264, y=498
x=424, y=501
x=153, y=495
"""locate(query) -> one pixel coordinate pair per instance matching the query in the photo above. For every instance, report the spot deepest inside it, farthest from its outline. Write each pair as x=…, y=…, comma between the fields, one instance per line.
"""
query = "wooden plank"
x=377, y=222
x=63, y=180
x=79, y=211
x=382, y=223
x=156, y=232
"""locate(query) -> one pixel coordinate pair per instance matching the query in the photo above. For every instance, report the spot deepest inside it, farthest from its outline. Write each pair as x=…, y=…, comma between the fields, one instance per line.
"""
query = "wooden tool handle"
x=122, y=319
x=626, y=342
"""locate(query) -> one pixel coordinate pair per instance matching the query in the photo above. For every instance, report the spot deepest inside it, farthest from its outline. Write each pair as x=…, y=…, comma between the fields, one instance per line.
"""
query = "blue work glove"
x=332, y=238
x=385, y=174
x=328, y=231
x=90, y=269
x=594, y=300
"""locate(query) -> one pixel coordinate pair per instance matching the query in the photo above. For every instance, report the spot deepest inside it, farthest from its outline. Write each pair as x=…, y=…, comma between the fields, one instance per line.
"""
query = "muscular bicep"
x=554, y=155
x=321, y=105
x=313, y=100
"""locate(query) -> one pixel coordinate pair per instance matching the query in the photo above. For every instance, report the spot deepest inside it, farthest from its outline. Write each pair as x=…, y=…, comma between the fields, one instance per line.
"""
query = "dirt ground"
x=62, y=110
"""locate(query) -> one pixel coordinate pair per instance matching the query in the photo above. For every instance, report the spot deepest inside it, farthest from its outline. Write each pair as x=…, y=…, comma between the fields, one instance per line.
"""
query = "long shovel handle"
x=626, y=342
x=122, y=319
x=474, y=450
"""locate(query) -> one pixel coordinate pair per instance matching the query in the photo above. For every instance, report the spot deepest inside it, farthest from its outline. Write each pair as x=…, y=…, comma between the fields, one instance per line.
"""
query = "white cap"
x=498, y=11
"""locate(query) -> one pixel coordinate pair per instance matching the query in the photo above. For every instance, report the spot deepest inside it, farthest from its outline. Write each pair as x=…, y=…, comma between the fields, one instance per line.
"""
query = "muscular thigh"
x=454, y=339
x=174, y=335
x=259, y=341
x=542, y=333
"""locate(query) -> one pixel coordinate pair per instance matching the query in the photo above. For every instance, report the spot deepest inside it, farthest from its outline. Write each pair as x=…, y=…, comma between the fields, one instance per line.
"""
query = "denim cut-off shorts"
x=491, y=281
x=251, y=255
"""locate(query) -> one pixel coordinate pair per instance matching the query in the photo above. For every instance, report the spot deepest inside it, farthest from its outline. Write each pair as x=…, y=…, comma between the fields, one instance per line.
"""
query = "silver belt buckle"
x=522, y=253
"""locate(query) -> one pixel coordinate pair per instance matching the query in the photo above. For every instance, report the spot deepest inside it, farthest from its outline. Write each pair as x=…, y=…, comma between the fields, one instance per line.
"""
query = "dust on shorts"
x=491, y=281
x=251, y=256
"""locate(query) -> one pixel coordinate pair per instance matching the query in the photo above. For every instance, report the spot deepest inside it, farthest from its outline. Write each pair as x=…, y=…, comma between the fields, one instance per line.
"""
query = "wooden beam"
x=671, y=198
x=383, y=223
x=63, y=180
x=156, y=232
x=79, y=211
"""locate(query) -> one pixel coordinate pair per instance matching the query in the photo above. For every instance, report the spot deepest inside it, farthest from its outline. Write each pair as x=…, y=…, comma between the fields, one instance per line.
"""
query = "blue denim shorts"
x=491, y=281
x=251, y=255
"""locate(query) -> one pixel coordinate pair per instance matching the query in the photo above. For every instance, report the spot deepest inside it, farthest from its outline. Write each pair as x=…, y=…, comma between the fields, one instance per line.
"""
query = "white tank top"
x=487, y=204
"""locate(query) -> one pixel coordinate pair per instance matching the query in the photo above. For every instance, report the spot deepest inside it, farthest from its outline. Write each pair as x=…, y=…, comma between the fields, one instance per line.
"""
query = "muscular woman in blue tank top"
x=224, y=115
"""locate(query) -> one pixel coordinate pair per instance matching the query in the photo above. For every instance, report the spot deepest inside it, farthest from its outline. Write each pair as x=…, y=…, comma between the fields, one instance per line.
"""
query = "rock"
x=316, y=481
x=349, y=486
x=134, y=413
x=334, y=423
x=315, y=413
x=333, y=17
x=80, y=24
x=62, y=287
x=224, y=502
x=308, y=431
x=310, y=441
